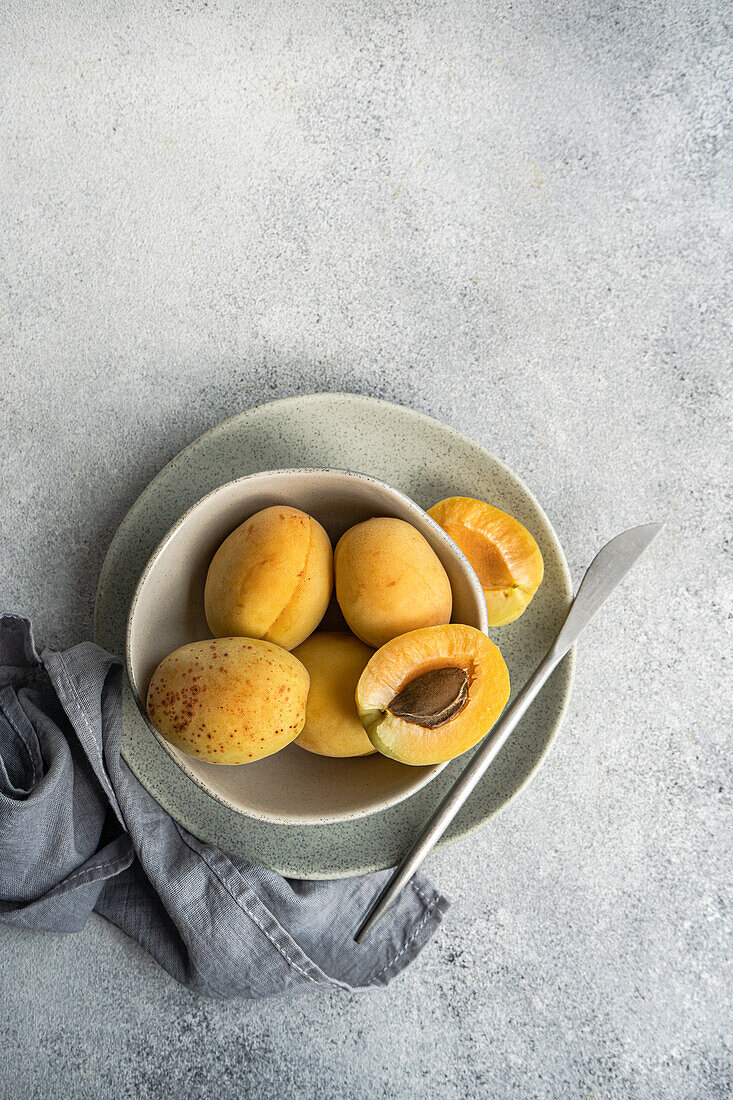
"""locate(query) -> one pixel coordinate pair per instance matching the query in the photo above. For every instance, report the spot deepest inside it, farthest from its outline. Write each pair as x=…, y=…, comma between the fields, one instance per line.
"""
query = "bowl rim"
x=429, y=772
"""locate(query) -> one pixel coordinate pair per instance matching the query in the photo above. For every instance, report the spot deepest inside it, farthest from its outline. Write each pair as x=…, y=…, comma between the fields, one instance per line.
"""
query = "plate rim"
x=566, y=668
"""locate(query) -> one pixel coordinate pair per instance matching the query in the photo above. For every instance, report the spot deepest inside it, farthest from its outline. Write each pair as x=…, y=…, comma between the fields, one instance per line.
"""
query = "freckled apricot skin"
x=271, y=578
x=401, y=661
x=389, y=580
x=334, y=661
x=229, y=700
x=504, y=555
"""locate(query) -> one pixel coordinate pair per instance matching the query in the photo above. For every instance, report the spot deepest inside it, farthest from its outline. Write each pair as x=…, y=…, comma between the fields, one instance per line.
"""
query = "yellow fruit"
x=389, y=580
x=504, y=556
x=229, y=700
x=332, y=726
x=428, y=696
x=271, y=578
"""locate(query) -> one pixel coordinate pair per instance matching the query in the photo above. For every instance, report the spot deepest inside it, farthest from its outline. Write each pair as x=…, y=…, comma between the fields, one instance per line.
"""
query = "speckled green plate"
x=428, y=461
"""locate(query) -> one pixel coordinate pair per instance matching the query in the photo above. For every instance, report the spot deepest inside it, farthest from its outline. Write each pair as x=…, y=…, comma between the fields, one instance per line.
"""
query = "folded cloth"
x=79, y=833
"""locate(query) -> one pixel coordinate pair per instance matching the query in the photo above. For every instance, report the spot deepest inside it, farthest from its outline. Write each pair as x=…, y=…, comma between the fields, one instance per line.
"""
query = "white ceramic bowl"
x=167, y=611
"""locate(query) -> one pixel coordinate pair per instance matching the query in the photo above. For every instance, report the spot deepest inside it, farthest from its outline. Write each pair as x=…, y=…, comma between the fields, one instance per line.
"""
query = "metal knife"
x=606, y=571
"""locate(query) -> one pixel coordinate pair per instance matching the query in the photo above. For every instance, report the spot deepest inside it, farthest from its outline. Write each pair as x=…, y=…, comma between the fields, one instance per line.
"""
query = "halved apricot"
x=430, y=695
x=505, y=557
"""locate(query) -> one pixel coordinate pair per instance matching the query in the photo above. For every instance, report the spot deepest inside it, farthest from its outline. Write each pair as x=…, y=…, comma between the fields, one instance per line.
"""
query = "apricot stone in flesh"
x=389, y=580
x=335, y=662
x=271, y=578
x=430, y=695
x=505, y=557
x=229, y=700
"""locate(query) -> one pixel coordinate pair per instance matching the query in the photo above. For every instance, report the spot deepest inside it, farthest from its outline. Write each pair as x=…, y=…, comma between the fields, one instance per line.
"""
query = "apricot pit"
x=433, y=698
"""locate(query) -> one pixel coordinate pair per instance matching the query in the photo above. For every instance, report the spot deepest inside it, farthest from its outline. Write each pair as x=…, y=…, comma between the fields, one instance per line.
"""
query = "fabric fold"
x=79, y=833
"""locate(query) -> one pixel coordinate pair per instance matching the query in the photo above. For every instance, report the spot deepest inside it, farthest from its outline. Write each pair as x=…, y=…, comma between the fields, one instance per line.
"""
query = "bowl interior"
x=167, y=611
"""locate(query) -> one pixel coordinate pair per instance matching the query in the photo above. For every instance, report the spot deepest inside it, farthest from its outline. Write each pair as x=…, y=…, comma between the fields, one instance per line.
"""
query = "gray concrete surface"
x=511, y=216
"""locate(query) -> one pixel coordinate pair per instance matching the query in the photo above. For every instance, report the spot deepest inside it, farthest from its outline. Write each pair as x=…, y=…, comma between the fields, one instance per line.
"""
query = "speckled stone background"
x=511, y=216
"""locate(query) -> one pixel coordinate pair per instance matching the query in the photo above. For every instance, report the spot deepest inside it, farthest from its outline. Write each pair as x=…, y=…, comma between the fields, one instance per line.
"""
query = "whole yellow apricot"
x=389, y=580
x=271, y=578
x=334, y=661
x=229, y=700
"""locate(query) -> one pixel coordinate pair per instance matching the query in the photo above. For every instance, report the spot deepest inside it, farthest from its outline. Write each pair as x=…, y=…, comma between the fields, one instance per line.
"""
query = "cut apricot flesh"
x=430, y=695
x=504, y=555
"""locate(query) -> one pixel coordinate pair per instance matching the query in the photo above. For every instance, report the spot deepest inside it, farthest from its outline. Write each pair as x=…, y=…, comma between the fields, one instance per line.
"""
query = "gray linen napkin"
x=78, y=832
